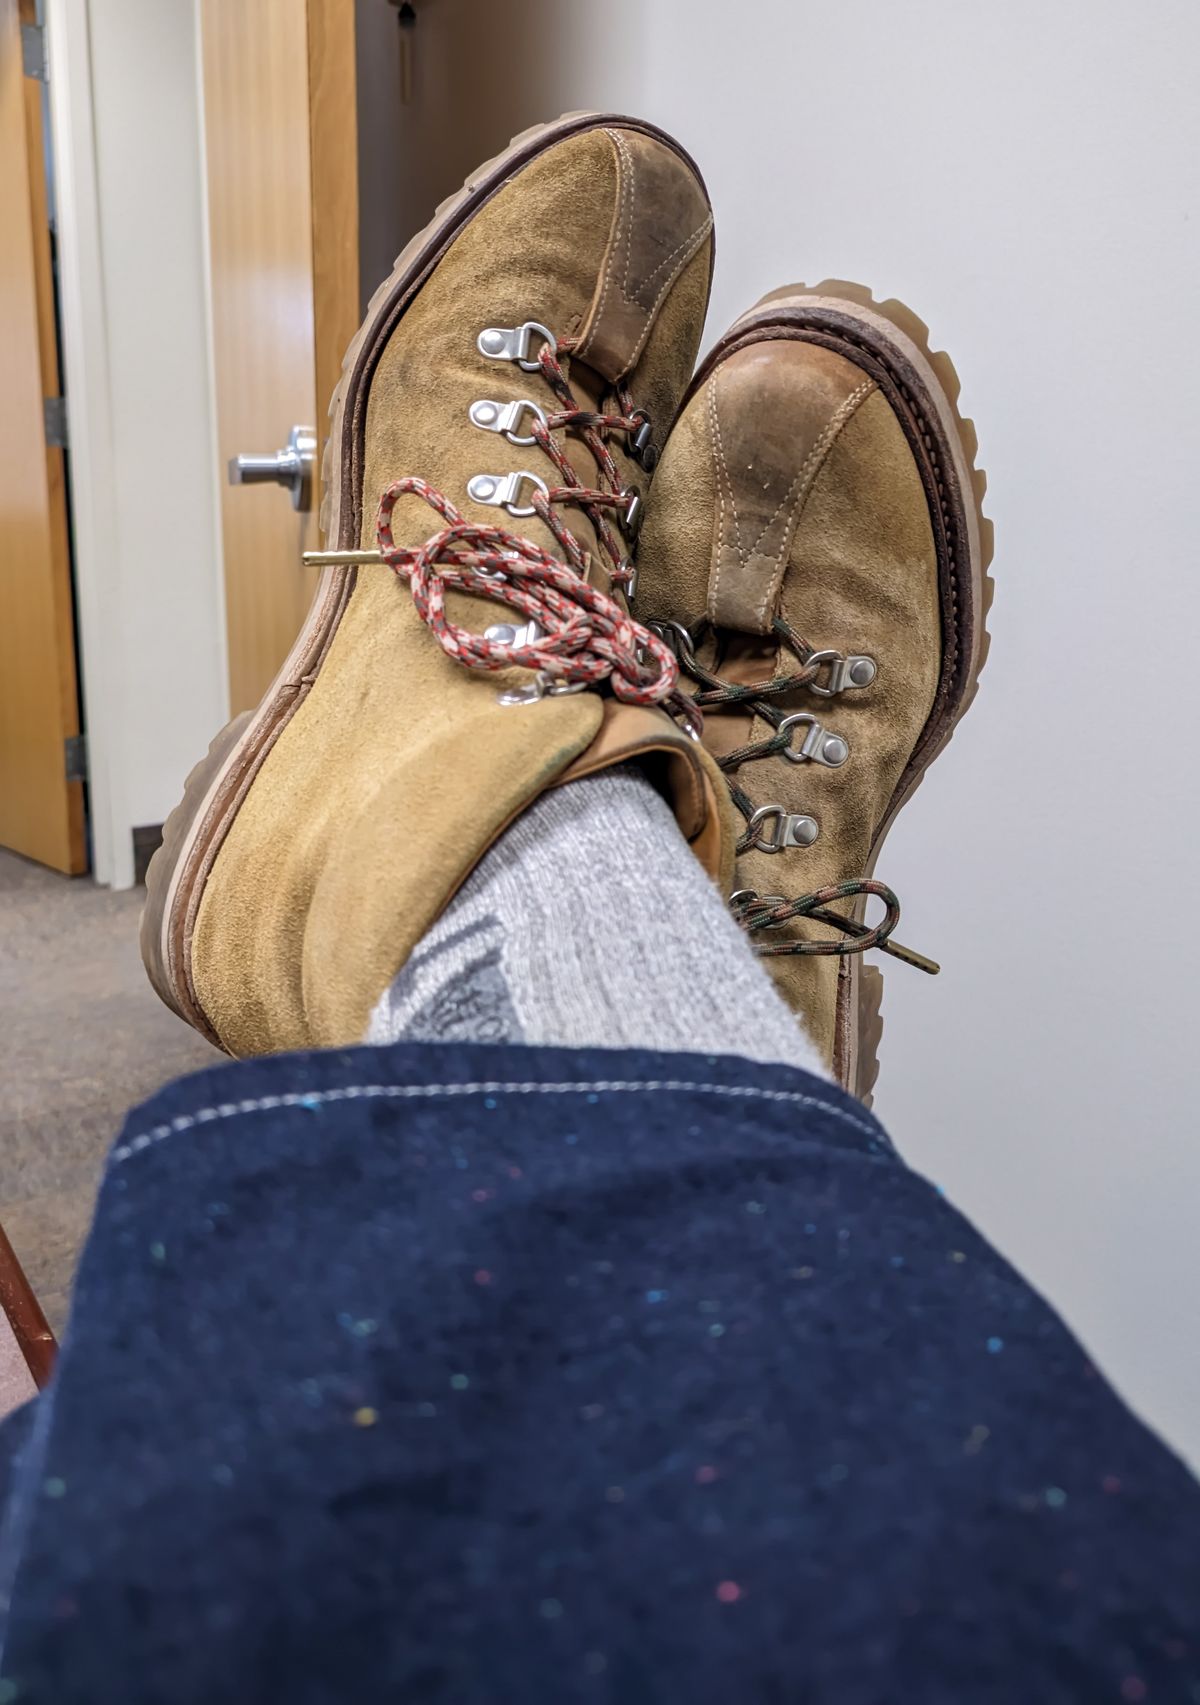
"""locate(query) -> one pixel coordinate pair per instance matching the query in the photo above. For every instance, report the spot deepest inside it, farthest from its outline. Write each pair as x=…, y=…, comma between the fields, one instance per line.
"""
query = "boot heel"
x=179, y=834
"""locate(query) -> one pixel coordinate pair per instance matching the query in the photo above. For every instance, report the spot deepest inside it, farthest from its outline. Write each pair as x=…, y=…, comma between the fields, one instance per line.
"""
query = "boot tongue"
x=740, y=659
x=486, y=454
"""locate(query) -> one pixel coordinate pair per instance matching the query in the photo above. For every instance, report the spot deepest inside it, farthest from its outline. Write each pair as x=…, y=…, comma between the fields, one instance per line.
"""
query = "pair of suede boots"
x=789, y=646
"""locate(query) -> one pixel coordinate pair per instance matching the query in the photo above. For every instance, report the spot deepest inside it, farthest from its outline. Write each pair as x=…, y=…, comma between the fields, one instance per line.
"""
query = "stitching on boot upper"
x=622, y=195
x=807, y=475
x=686, y=249
x=799, y=488
x=714, y=428
x=822, y=445
x=635, y=297
x=637, y=293
x=626, y=159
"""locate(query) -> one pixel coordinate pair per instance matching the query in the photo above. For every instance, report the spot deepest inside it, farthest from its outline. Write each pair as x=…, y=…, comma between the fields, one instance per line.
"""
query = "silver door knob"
x=292, y=466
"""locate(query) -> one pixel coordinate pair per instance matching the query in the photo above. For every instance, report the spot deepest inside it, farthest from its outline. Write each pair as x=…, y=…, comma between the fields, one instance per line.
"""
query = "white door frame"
x=135, y=323
x=83, y=329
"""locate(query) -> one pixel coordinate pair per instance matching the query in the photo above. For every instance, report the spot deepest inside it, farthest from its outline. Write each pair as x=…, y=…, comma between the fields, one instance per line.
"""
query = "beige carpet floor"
x=16, y=1381
x=82, y=1038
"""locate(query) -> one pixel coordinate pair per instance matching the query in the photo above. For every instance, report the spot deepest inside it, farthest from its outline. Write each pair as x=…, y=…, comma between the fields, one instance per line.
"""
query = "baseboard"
x=146, y=842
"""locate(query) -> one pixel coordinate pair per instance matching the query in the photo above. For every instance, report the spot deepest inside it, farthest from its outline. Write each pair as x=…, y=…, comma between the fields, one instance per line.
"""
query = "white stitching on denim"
x=431, y=1091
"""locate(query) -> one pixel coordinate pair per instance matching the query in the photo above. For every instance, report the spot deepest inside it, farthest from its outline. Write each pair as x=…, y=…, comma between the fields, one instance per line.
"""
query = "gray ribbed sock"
x=590, y=924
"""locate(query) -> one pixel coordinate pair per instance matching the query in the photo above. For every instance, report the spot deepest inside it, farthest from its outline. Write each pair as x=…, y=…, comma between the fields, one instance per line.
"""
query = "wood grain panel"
x=282, y=202
x=333, y=132
x=41, y=813
x=255, y=66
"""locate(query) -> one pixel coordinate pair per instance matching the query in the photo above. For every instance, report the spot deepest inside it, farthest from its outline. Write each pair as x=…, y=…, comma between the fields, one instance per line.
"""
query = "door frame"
x=108, y=605
x=107, y=601
x=84, y=334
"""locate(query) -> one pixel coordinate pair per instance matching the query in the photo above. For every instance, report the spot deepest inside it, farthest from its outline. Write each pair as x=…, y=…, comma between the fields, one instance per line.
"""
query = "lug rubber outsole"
x=846, y=316
x=195, y=831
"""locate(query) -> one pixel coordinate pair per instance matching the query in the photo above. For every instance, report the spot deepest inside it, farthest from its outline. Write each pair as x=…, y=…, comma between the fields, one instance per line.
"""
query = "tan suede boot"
x=514, y=371
x=815, y=548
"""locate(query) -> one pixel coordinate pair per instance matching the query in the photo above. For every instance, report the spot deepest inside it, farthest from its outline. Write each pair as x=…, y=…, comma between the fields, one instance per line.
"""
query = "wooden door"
x=281, y=153
x=41, y=811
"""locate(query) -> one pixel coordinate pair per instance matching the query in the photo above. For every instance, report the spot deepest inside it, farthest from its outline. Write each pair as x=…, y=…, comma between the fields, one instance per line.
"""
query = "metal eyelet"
x=642, y=447
x=542, y=686
x=679, y=639
x=511, y=343
x=506, y=417
x=818, y=746
x=508, y=633
x=503, y=491
x=795, y=830
x=632, y=519
x=531, y=693
x=742, y=900
x=625, y=575
x=688, y=724
x=846, y=674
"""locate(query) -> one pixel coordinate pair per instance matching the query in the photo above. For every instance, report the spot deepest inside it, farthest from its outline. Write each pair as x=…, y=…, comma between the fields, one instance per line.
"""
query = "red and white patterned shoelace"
x=582, y=636
x=585, y=636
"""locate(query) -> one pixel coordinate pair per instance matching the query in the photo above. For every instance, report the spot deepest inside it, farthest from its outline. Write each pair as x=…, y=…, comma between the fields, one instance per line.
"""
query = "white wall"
x=1023, y=174
x=127, y=142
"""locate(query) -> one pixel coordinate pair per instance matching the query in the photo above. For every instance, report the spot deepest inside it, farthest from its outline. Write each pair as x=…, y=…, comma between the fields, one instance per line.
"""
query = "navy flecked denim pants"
x=502, y=1374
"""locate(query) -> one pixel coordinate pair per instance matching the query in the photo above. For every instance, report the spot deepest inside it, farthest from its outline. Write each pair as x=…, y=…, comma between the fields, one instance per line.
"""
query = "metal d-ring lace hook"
x=818, y=746
x=767, y=911
x=846, y=673
x=511, y=343
x=642, y=447
x=679, y=638
x=503, y=491
x=795, y=829
x=507, y=417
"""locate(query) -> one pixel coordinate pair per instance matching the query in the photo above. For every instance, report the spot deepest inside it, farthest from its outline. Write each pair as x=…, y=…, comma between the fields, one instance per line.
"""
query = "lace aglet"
x=909, y=956
x=341, y=559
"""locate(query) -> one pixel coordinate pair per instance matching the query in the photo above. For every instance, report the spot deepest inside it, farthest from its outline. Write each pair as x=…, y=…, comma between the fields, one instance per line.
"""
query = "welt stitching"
x=434, y=1091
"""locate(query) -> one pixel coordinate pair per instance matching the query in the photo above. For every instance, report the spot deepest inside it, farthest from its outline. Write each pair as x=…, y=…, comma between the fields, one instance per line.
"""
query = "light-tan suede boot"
x=815, y=549
x=515, y=370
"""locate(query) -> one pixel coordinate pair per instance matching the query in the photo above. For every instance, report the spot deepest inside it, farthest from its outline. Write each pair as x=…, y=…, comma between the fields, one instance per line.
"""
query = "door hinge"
x=75, y=756
x=55, y=412
x=33, y=51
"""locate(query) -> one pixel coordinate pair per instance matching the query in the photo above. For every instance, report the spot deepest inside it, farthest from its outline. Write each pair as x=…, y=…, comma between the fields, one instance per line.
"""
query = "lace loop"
x=772, y=829
x=756, y=913
x=585, y=637
x=574, y=635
